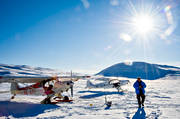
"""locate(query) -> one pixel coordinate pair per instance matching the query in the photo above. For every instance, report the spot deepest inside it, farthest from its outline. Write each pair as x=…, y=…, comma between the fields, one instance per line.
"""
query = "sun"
x=143, y=24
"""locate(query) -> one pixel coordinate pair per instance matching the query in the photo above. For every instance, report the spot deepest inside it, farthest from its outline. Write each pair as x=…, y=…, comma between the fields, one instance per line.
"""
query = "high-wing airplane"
x=53, y=87
x=110, y=83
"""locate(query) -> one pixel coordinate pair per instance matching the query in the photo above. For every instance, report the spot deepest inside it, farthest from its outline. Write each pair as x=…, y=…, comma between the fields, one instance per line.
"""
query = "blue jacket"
x=136, y=86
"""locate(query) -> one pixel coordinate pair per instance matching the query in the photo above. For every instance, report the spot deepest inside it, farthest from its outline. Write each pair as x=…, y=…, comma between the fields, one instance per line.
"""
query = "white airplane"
x=108, y=83
x=53, y=87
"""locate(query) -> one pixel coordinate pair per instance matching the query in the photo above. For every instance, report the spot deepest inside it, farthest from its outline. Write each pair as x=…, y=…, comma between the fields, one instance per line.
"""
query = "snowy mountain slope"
x=140, y=69
x=162, y=102
x=25, y=70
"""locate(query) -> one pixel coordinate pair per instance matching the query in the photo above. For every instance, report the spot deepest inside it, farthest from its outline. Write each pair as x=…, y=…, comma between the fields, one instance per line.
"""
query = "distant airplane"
x=110, y=83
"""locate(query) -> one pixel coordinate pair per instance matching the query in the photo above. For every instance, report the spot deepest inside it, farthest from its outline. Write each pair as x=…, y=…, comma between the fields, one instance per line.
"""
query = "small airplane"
x=53, y=87
x=108, y=83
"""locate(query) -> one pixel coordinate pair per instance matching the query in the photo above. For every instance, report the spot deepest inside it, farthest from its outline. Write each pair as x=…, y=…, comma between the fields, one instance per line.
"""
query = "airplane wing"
x=78, y=77
x=31, y=79
x=124, y=82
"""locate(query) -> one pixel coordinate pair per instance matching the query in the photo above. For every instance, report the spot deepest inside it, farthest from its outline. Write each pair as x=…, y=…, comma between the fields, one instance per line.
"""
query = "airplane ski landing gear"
x=55, y=100
x=46, y=101
x=13, y=96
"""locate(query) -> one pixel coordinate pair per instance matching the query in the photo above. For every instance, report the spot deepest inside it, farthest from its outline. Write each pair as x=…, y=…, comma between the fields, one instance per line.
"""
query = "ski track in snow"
x=162, y=102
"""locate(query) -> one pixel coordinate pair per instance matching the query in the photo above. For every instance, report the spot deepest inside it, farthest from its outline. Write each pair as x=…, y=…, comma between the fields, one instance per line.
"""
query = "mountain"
x=140, y=69
x=25, y=70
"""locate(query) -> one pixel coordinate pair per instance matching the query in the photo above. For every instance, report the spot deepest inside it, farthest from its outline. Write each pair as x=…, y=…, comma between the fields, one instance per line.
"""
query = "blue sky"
x=87, y=35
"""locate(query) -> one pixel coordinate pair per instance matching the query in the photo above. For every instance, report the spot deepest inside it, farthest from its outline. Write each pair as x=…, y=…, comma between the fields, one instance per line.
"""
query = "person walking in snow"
x=140, y=86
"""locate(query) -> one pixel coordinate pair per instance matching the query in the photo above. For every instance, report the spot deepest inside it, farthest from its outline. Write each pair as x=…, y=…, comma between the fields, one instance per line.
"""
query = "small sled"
x=108, y=104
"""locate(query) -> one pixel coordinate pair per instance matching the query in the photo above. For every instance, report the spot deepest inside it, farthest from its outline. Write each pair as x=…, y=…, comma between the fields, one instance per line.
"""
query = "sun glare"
x=143, y=24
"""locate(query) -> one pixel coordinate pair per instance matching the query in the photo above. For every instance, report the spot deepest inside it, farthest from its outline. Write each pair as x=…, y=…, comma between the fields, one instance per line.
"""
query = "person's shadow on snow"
x=140, y=114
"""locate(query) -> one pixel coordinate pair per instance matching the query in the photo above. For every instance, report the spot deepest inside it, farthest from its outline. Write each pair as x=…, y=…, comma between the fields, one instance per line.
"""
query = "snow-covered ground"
x=162, y=102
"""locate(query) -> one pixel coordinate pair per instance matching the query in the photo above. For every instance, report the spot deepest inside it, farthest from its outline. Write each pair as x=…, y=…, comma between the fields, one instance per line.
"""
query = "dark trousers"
x=140, y=98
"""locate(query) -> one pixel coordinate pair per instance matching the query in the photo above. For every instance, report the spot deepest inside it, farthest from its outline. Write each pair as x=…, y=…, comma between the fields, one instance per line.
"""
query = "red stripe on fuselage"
x=37, y=85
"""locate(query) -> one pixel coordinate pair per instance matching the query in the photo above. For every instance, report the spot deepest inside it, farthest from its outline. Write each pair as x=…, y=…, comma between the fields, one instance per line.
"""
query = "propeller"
x=72, y=84
x=72, y=90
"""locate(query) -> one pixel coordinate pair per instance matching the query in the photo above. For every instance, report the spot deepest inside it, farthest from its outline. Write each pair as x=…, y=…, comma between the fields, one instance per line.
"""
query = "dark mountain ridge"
x=140, y=69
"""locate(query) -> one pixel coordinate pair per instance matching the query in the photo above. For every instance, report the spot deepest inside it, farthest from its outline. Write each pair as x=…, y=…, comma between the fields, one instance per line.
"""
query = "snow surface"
x=162, y=102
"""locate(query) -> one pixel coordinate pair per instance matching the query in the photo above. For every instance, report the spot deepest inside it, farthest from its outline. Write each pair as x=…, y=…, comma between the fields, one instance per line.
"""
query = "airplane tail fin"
x=14, y=87
x=89, y=84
